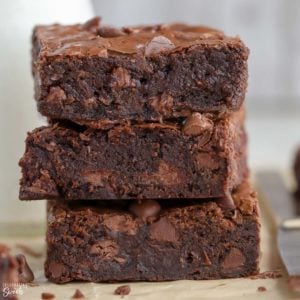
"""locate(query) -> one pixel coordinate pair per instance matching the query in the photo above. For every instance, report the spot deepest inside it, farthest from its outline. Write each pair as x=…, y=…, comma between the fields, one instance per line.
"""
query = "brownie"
x=205, y=156
x=94, y=75
x=152, y=240
x=297, y=172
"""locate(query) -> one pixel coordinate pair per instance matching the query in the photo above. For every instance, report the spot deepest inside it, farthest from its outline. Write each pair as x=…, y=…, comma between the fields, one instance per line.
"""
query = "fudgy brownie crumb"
x=261, y=289
x=78, y=295
x=47, y=296
x=268, y=275
x=122, y=290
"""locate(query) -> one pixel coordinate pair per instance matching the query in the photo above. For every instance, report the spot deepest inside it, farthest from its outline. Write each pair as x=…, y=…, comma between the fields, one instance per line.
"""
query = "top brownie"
x=96, y=75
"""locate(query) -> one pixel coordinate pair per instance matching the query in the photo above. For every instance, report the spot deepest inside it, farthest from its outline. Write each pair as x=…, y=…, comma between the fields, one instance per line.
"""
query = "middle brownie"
x=203, y=156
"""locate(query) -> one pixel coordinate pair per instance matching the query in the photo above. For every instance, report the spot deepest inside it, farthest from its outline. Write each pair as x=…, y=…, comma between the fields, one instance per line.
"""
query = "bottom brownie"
x=109, y=241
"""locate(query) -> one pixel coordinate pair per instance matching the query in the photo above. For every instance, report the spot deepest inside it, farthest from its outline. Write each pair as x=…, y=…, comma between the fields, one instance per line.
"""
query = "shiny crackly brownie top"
x=94, y=39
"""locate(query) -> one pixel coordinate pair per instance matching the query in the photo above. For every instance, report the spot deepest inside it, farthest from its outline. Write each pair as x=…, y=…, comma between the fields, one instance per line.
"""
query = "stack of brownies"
x=144, y=160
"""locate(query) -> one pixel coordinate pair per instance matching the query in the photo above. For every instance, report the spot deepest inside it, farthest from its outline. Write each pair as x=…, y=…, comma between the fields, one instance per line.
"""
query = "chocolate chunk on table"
x=13, y=268
x=205, y=156
x=94, y=74
x=185, y=239
x=122, y=290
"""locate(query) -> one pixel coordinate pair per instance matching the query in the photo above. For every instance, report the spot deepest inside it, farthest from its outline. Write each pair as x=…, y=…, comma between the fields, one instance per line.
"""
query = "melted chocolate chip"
x=198, y=124
x=110, y=32
x=92, y=25
x=145, y=208
x=226, y=202
x=157, y=45
x=235, y=259
x=163, y=231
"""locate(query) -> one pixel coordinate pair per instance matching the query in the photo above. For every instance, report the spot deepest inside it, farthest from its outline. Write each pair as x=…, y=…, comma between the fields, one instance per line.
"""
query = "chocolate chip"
x=198, y=124
x=145, y=208
x=56, y=269
x=234, y=260
x=226, y=202
x=121, y=223
x=121, y=78
x=131, y=30
x=106, y=249
x=262, y=289
x=157, y=45
x=56, y=94
x=163, y=231
x=92, y=24
x=97, y=178
x=110, y=32
x=47, y=296
x=122, y=290
x=78, y=295
x=14, y=269
x=205, y=260
x=25, y=273
x=206, y=160
x=162, y=104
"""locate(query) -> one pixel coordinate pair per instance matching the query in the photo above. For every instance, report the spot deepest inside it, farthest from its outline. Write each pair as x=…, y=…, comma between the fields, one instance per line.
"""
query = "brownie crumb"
x=48, y=296
x=267, y=275
x=261, y=289
x=122, y=290
x=78, y=295
x=29, y=251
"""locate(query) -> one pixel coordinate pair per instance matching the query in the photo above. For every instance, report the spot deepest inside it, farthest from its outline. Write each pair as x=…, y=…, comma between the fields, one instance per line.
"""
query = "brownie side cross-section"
x=205, y=156
x=93, y=75
x=110, y=241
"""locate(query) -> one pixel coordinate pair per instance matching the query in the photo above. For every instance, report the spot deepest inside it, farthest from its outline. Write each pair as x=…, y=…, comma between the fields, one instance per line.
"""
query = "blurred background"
x=270, y=28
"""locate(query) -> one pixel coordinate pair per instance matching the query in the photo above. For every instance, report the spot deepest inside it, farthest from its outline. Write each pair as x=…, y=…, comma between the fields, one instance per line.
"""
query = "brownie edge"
x=197, y=240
